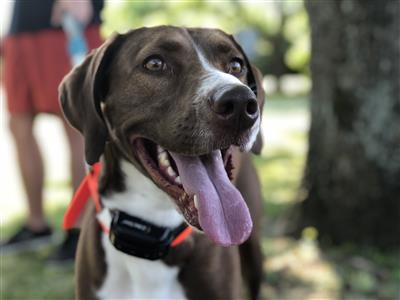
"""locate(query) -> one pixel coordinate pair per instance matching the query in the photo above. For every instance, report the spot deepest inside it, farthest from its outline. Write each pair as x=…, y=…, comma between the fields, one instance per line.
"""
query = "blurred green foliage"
x=275, y=34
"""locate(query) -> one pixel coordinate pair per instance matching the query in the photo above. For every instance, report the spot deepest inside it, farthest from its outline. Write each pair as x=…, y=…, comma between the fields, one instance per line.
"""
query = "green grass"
x=28, y=276
x=294, y=269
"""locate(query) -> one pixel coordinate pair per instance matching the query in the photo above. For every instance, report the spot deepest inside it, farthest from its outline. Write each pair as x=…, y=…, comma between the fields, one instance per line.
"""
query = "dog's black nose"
x=236, y=107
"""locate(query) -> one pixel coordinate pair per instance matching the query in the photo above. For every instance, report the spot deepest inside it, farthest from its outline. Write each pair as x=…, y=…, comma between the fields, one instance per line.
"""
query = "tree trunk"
x=352, y=176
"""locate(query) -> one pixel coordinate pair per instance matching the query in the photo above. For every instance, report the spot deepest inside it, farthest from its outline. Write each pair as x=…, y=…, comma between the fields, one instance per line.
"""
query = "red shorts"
x=34, y=65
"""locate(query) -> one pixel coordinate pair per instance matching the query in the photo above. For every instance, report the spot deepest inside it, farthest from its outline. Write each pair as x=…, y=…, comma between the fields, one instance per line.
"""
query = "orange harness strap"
x=182, y=236
x=89, y=189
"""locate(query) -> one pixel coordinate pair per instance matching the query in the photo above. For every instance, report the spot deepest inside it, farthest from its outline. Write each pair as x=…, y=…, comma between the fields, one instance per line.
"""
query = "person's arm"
x=81, y=10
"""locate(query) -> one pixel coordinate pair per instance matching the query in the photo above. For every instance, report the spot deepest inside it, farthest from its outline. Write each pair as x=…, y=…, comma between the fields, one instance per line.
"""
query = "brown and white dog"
x=167, y=111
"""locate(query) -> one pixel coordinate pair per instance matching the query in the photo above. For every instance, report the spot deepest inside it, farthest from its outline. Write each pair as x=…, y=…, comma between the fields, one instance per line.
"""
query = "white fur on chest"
x=129, y=277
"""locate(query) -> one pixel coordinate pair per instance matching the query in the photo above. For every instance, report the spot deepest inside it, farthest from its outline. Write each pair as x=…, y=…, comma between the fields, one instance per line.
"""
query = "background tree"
x=352, y=177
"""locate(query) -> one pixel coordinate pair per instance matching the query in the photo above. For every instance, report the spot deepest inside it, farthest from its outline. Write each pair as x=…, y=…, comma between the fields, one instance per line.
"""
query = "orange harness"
x=89, y=189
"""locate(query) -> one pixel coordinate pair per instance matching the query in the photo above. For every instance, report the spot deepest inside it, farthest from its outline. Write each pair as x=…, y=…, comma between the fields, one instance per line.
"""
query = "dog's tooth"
x=102, y=106
x=160, y=149
x=178, y=180
x=196, y=201
x=163, y=159
x=171, y=172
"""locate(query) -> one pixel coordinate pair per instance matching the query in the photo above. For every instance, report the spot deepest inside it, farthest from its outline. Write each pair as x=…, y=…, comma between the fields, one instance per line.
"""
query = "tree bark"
x=352, y=175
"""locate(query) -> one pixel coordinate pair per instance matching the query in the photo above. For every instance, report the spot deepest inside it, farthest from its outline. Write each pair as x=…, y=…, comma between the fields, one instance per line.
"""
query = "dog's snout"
x=236, y=107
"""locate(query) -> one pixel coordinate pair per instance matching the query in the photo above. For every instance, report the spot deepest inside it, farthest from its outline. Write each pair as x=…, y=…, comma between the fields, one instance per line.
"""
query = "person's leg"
x=76, y=146
x=31, y=167
x=66, y=251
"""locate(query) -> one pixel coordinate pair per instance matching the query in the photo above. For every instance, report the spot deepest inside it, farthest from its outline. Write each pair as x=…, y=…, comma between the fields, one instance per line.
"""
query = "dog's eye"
x=235, y=67
x=154, y=64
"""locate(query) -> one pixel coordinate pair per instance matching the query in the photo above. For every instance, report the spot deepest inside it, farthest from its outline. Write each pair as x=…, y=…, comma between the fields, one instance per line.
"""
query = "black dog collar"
x=140, y=238
x=128, y=234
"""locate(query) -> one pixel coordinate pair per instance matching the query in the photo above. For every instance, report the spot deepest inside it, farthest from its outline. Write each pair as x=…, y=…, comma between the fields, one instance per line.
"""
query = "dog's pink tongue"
x=223, y=214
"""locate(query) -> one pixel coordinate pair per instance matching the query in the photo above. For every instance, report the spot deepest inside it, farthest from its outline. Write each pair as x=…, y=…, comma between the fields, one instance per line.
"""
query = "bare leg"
x=66, y=251
x=31, y=167
x=75, y=142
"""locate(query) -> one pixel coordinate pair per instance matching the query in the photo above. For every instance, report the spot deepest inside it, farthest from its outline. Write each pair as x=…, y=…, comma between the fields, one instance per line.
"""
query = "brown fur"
x=111, y=86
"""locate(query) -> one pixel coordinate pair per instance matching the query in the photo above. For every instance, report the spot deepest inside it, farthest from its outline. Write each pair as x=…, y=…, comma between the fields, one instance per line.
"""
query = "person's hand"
x=81, y=10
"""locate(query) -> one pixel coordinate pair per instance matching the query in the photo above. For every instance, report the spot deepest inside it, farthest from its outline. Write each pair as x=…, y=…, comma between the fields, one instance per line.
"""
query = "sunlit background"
x=276, y=37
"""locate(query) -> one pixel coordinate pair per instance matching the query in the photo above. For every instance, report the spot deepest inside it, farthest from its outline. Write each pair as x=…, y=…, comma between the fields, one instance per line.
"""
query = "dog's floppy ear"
x=81, y=92
x=254, y=81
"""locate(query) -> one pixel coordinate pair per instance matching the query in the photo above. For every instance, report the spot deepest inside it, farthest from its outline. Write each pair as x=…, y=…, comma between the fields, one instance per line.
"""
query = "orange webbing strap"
x=93, y=183
x=87, y=189
x=182, y=236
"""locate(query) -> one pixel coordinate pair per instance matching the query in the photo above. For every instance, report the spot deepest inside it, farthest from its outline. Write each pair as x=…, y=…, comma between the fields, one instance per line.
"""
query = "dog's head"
x=174, y=101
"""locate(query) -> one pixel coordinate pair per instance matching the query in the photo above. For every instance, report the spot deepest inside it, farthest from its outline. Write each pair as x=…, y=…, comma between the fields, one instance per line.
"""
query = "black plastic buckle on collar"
x=140, y=238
